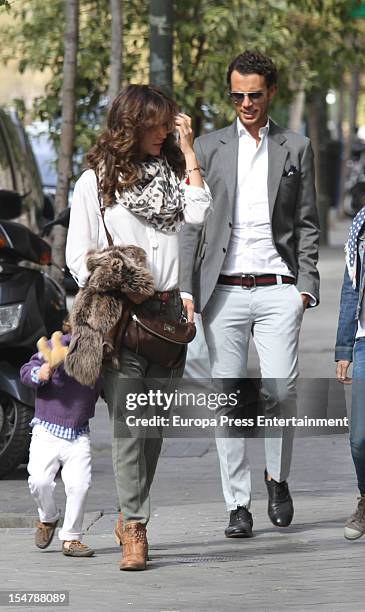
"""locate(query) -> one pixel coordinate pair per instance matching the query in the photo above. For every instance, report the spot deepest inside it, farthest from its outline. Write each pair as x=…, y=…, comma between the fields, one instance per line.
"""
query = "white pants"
x=47, y=454
x=273, y=315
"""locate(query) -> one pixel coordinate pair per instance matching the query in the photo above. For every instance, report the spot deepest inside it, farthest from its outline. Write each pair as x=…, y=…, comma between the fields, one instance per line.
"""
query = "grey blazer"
x=292, y=204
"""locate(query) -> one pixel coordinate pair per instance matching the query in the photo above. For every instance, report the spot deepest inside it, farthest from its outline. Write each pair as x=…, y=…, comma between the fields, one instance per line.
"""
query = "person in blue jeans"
x=350, y=347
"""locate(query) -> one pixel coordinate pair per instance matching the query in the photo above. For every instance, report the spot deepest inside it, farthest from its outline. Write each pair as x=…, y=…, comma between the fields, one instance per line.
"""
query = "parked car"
x=31, y=303
x=19, y=172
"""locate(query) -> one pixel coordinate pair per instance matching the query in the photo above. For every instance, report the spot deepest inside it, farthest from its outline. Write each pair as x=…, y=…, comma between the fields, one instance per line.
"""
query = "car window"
x=25, y=172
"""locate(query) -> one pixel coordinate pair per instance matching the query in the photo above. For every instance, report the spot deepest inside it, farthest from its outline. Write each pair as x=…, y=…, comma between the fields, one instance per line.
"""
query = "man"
x=252, y=270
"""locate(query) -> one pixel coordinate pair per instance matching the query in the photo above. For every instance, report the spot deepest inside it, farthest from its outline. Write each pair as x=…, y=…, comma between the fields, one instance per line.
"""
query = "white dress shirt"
x=87, y=231
x=251, y=249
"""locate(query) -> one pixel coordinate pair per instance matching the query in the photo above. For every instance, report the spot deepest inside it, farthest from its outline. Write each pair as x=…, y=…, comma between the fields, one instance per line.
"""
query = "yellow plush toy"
x=54, y=354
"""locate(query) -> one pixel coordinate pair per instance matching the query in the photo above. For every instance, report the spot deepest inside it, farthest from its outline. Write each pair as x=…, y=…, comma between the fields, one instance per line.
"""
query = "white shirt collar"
x=243, y=132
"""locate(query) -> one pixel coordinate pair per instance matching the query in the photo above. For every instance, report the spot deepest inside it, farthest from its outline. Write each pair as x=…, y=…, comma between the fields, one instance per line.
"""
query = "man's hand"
x=305, y=299
x=189, y=307
x=341, y=371
x=45, y=372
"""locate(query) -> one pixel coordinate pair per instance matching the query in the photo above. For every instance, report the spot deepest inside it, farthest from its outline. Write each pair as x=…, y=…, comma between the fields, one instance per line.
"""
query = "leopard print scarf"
x=158, y=196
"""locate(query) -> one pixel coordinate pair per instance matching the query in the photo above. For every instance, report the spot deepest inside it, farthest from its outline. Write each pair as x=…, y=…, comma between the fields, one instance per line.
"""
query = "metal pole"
x=161, y=17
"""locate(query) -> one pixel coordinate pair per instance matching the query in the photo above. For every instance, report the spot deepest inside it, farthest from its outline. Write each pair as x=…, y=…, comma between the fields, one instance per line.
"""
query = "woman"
x=138, y=167
x=350, y=346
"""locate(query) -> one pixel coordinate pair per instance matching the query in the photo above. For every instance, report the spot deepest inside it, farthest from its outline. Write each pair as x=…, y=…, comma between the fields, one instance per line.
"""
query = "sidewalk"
x=193, y=568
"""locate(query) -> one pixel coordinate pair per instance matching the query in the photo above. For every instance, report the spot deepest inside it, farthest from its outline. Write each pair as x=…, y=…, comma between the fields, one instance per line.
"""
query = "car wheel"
x=14, y=433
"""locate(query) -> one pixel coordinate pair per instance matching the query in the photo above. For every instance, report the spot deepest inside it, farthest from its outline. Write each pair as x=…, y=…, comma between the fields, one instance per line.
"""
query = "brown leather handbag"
x=157, y=339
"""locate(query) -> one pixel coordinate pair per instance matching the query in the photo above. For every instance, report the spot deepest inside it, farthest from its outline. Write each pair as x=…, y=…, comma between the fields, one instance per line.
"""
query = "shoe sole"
x=281, y=526
x=352, y=534
x=239, y=535
x=71, y=554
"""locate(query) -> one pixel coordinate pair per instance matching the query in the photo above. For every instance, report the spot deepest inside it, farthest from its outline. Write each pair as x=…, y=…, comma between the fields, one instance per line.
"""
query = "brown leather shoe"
x=135, y=547
x=75, y=548
x=44, y=534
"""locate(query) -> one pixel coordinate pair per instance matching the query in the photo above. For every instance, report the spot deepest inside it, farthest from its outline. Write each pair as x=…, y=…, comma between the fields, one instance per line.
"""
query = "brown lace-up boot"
x=135, y=547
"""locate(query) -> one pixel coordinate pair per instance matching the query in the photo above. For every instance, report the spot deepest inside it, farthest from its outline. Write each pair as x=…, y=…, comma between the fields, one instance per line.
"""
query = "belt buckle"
x=252, y=276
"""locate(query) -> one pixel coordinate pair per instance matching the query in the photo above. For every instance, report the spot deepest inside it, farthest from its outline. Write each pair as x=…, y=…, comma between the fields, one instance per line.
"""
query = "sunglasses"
x=238, y=96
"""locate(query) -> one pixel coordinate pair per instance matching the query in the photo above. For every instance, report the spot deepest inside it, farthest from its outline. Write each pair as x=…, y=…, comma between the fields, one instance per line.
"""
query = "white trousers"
x=273, y=316
x=47, y=454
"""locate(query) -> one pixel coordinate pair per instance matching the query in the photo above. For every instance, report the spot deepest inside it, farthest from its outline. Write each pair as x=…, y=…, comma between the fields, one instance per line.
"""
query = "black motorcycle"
x=32, y=305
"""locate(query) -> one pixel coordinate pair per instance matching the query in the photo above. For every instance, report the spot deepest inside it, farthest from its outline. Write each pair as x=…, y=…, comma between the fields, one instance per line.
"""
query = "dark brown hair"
x=135, y=109
x=251, y=62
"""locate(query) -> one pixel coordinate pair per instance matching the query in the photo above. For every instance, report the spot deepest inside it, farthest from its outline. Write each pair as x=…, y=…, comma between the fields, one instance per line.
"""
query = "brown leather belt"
x=249, y=281
x=165, y=296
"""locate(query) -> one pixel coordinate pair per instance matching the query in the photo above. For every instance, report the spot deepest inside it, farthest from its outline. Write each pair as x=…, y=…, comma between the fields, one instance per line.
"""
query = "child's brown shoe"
x=75, y=548
x=44, y=534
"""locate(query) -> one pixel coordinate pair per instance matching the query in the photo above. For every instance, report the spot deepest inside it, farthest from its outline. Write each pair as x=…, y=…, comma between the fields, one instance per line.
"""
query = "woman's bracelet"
x=188, y=172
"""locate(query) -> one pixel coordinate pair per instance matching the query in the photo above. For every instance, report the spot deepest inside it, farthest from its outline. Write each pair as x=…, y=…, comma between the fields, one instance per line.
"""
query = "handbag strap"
x=102, y=211
x=123, y=324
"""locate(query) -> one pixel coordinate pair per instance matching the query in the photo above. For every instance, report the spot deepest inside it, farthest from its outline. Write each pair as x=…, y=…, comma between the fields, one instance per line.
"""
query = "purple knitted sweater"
x=61, y=399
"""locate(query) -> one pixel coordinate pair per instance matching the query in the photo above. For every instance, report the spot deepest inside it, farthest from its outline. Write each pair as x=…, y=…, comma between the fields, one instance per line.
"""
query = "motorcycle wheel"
x=14, y=433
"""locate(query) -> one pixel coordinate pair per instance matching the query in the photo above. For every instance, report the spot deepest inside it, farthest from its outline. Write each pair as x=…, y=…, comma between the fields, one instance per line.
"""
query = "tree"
x=309, y=40
x=161, y=23
x=36, y=38
x=64, y=169
x=115, y=77
x=312, y=41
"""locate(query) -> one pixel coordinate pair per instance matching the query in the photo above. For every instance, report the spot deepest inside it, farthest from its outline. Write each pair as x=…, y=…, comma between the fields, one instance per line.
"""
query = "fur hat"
x=98, y=306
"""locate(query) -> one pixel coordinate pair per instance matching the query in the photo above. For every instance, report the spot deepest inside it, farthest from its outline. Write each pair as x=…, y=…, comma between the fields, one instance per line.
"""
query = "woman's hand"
x=183, y=126
x=341, y=371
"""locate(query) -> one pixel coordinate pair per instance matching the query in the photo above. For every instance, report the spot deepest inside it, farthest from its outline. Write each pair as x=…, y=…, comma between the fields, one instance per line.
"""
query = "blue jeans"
x=357, y=429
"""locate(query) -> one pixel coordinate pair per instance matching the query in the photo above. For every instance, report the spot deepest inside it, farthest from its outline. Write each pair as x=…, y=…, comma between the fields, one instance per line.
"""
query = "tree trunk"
x=317, y=124
x=64, y=168
x=116, y=12
x=348, y=138
x=161, y=18
x=296, y=110
x=343, y=163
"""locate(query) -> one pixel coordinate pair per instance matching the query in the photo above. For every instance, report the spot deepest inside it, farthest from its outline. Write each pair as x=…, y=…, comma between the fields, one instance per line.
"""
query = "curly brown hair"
x=135, y=109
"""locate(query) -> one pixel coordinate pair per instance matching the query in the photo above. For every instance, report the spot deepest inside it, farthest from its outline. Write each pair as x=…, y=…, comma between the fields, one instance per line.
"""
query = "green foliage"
x=5, y=4
x=312, y=42
x=36, y=37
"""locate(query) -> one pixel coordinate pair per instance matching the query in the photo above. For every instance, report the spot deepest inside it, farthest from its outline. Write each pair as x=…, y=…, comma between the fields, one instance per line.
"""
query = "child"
x=60, y=438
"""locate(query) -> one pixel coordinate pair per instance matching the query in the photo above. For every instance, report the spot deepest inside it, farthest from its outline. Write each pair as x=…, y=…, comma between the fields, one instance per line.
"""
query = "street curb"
x=12, y=520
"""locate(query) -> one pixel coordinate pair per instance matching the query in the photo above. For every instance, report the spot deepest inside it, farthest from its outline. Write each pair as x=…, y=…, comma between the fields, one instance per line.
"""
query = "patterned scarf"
x=158, y=196
x=351, y=244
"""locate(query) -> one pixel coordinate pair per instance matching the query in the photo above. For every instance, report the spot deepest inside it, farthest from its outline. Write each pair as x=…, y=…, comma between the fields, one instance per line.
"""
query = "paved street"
x=193, y=568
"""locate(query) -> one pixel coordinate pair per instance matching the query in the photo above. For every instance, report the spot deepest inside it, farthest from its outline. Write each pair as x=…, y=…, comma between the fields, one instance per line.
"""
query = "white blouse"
x=86, y=231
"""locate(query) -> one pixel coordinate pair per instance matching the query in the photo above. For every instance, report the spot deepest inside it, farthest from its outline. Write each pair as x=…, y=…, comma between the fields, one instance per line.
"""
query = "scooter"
x=32, y=305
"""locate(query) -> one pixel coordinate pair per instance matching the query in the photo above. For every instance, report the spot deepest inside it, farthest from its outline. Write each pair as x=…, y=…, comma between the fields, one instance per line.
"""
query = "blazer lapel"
x=277, y=154
x=228, y=152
